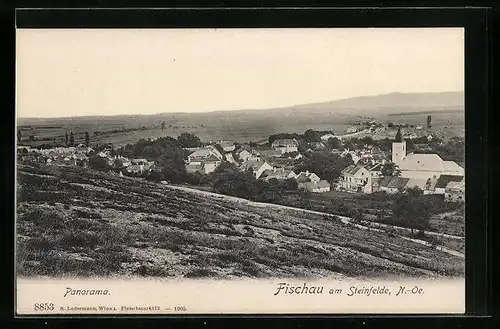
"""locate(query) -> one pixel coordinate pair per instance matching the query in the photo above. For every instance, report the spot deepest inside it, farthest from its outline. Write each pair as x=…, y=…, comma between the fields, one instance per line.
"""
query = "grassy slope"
x=74, y=222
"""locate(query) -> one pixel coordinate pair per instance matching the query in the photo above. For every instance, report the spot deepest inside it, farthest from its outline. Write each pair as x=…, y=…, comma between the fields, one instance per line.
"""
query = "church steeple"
x=399, y=136
x=398, y=148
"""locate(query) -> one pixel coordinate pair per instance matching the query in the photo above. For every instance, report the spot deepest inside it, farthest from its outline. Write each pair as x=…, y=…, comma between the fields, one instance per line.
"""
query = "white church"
x=420, y=169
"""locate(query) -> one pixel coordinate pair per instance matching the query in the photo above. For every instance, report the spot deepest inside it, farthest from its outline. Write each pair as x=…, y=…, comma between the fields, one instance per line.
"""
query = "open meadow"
x=78, y=222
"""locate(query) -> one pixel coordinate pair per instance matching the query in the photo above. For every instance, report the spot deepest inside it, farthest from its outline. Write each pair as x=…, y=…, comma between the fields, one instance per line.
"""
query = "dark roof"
x=443, y=180
x=302, y=178
x=352, y=169
x=374, y=167
x=394, y=182
x=399, y=137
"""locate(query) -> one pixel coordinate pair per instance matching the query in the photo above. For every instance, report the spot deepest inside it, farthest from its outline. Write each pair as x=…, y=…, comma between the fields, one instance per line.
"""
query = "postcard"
x=240, y=171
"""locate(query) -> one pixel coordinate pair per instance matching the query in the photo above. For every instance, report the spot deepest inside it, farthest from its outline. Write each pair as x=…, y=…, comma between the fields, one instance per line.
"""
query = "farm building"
x=393, y=184
x=316, y=187
x=257, y=167
x=278, y=173
x=285, y=145
x=306, y=176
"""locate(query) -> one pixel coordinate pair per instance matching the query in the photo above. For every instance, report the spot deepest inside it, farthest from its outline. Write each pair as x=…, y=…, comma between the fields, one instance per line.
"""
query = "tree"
x=66, y=139
x=367, y=140
x=390, y=125
x=171, y=159
x=412, y=211
x=98, y=163
x=230, y=181
x=71, y=139
x=87, y=139
x=118, y=164
x=155, y=176
x=390, y=169
x=349, y=145
x=189, y=140
x=312, y=136
x=429, y=121
x=163, y=125
x=19, y=135
x=415, y=191
x=333, y=143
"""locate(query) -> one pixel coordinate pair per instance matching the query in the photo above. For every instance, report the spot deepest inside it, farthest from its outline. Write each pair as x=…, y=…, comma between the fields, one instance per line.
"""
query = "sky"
x=77, y=72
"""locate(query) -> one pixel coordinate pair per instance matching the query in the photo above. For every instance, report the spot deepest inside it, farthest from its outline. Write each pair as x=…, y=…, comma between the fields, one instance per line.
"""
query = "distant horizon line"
x=236, y=110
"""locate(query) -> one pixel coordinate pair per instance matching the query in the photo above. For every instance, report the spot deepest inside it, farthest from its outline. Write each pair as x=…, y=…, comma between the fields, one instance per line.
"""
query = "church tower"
x=398, y=148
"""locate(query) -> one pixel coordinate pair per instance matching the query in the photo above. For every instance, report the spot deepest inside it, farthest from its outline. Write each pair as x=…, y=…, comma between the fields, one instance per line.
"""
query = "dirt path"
x=343, y=219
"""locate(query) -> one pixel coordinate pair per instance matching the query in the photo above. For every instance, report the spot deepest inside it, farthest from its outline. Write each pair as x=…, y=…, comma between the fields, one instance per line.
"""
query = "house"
x=375, y=169
x=442, y=181
x=135, y=169
x=455, y=191
x=80, y=159
x=209, y=158
x=200, y=155
x=353, y=178
x=421, y=166
x=227, y=146
x=245, y=155
x=278, y=173
x=285, y=145
x=306, y=177
x=393, y=184
x=372, y=185
x=230, y=158
x=316, y=187
x=192, y=168
x=257, y=167
x=411, y=136
x=355, y=158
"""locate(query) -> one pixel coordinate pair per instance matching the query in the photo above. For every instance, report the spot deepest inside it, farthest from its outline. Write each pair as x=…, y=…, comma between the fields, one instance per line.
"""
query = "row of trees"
x=229, y=180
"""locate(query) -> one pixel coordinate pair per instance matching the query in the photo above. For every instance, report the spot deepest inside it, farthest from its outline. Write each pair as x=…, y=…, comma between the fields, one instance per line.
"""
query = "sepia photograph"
x=273, y=163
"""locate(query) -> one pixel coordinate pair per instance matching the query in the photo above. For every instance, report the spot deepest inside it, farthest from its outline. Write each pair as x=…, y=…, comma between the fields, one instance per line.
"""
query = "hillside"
x=84, y=223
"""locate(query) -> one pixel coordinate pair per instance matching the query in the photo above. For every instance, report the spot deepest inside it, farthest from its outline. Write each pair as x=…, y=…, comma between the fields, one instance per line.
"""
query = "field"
x=74, y=222
x=239, y=126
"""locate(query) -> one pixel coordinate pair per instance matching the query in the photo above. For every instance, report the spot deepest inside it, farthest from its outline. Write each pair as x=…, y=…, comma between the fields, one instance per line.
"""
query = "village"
x=370, y=169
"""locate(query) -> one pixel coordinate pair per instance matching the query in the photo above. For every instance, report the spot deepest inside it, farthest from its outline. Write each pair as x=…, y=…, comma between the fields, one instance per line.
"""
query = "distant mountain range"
x=388, y=103
x=364, y=105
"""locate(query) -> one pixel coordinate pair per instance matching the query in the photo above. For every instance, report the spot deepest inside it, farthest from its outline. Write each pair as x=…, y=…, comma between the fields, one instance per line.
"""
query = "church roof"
x=452, y=166
x=422, y=162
